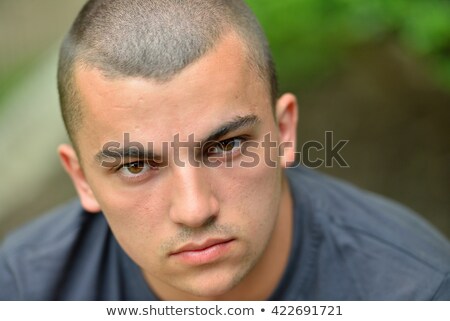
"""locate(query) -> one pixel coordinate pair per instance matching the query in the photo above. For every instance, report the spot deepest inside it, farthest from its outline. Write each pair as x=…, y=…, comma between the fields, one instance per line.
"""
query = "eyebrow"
x=133, y=151
x=238, y=123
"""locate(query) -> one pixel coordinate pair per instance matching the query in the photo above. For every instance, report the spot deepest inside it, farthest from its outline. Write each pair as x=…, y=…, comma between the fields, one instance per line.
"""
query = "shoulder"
x=387, y=250
x=31, y=256
x=57, y=224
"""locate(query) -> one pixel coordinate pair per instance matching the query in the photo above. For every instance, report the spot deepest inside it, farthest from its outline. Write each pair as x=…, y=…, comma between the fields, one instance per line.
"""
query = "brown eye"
x=225, y=147
x=138, y=171
x=228, y=145
x=135, y=168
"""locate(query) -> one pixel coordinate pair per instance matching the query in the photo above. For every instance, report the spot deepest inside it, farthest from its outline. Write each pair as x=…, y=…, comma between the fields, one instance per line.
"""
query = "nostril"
x=209, y=221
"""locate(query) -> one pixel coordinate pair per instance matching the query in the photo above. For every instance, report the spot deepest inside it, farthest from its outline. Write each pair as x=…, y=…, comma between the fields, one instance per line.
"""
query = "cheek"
x=136, y=217
x=252, y=199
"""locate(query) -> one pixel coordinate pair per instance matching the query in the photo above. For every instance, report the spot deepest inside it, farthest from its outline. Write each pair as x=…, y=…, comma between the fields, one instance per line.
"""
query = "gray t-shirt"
x=347, y=245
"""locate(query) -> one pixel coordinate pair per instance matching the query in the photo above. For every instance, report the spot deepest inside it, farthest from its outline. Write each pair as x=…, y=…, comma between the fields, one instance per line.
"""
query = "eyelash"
x=146, y=165
x=224, y=143
x=154, y=167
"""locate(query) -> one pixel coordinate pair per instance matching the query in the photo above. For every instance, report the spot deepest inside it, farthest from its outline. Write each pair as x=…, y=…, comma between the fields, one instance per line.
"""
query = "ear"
x=71, y=164
x=287, y=117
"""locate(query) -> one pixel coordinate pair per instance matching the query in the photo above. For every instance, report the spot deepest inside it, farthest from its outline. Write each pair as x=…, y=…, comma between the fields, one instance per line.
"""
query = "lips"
x=202, y=253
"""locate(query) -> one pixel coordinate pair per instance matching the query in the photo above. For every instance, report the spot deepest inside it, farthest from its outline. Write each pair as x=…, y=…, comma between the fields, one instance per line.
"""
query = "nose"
x=193, y=201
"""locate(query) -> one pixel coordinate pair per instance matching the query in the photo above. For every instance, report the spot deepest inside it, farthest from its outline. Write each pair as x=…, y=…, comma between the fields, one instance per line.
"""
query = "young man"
x=180, y=154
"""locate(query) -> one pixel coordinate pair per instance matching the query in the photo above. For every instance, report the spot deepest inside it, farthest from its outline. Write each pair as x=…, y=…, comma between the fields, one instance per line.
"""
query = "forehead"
x=215, y=89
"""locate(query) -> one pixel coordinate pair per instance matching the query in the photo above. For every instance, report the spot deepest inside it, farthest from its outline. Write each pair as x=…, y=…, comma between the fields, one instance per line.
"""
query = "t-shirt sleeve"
x=8, y=281
x=443, y=293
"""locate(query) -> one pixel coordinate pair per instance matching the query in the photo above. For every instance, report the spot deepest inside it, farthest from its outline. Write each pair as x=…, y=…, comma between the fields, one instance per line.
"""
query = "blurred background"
x=375, y=72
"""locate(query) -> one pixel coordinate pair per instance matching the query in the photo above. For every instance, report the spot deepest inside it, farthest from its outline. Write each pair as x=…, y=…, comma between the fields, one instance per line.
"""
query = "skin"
x=167, y=207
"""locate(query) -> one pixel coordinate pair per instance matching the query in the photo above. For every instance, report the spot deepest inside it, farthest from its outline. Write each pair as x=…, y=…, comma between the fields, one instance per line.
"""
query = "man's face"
x=195, y=228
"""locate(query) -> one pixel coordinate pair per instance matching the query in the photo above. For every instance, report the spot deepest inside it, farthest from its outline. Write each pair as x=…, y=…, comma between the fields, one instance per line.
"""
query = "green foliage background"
x=309, y=37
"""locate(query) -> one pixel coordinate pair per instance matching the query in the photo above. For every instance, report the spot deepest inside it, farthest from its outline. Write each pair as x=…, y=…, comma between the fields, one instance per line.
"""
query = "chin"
x=214, y=287
x=210, y=294
x=211, y=289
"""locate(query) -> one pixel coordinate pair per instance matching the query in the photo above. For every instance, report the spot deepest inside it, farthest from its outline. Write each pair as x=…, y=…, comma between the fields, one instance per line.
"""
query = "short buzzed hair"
x=154, y=39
